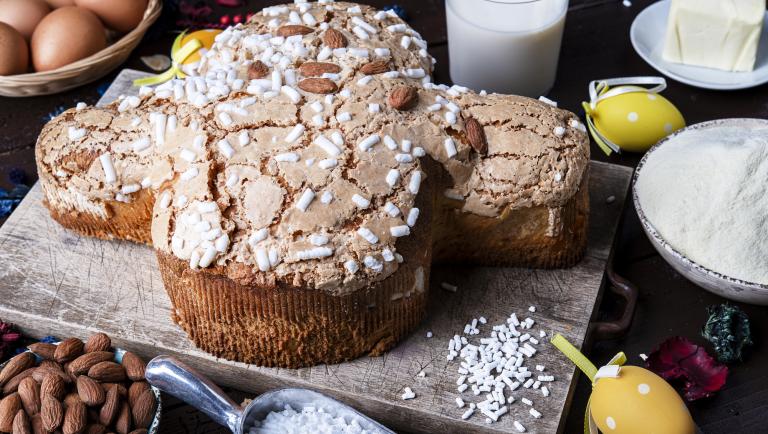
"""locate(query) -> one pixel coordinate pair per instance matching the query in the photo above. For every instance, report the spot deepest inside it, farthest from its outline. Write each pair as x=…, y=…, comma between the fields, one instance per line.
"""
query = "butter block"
x=721, y=34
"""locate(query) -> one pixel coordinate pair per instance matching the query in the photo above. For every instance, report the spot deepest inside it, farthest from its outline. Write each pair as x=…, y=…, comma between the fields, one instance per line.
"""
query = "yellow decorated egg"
x=635, y=120
x=206, y=38
x=638, y=402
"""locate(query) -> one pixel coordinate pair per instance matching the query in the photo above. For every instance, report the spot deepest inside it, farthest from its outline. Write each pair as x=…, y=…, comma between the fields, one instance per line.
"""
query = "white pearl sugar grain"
x=704, y=192
x=309, y=420
x=494, y=367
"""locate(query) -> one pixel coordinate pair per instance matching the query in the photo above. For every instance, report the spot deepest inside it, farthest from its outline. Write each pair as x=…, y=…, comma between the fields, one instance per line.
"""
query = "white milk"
x=505, y=46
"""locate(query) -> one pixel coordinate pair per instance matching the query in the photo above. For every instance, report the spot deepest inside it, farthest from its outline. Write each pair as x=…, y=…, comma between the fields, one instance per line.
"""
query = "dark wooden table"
x=595, y=45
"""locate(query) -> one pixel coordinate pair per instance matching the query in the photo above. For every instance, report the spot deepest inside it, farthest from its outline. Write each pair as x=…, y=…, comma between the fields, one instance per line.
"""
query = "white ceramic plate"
x=647, y=35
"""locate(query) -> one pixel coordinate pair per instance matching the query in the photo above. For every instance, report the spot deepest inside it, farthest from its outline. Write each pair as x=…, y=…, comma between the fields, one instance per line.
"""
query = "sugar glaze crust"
x=222, y=157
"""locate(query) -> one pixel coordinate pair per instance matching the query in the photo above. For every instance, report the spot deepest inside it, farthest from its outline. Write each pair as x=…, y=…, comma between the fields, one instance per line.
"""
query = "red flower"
x=677, y=357
x=8, y=338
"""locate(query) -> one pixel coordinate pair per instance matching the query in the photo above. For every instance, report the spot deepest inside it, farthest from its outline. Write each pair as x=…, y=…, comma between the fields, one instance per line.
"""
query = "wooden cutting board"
x=54, y=282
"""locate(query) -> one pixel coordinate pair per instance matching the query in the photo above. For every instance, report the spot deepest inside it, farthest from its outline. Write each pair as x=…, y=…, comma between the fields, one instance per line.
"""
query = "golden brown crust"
x=289, y=327
x=525, y=237
x=125, y=221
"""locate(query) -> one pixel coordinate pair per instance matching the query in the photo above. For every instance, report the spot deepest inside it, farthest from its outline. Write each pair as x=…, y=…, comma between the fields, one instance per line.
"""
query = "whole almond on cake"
x=333, y=38
x=403, y=98
x=294, y=29
x=476, y=135
x=375, y=67
x=257, y=70
x=318, y=85
x=316, y=69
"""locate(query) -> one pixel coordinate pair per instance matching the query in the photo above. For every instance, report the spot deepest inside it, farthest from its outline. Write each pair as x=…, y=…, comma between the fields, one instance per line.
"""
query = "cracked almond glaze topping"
x=295, y=146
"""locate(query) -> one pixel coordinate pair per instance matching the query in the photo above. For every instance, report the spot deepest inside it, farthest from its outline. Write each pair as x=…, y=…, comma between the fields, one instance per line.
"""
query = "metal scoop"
x=175, y=378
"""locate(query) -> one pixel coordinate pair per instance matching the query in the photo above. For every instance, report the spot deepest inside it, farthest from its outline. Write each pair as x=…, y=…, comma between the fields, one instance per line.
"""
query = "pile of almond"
x=77, y=388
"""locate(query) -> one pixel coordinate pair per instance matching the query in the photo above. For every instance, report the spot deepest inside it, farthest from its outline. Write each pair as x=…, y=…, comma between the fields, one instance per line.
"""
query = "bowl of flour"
x=702, y=198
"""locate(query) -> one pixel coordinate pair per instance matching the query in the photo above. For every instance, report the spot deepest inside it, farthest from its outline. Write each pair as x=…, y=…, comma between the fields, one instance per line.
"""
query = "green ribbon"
x=588, y=368
x=179, y=55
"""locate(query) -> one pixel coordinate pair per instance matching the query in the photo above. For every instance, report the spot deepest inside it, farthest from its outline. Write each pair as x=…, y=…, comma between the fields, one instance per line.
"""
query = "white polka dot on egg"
x=610, y=422
x=632, y=117
x=651, y=96
x=643, y=388
x=667, y=128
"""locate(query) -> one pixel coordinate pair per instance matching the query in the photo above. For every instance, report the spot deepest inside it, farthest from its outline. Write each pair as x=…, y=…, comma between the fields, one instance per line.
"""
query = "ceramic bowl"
x=722, y=285
x=153, y=427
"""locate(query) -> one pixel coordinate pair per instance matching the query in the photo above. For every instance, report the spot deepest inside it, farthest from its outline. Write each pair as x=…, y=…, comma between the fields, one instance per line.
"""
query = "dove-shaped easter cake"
x=298, y=184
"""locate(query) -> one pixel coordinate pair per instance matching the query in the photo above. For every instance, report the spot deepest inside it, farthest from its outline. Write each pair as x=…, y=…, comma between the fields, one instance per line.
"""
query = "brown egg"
x=14, y=54
x=120, y=15
x=65, y=35
x=23, y=15
x=59, y=3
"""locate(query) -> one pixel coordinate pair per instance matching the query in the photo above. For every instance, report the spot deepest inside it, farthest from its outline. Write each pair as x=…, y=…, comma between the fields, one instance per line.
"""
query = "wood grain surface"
x=56, y=282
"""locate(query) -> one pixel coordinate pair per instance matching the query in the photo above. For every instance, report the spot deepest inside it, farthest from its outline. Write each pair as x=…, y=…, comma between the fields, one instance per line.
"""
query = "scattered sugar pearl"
x=408, y=394
x=450, y=147
x=449, y=287
x=546, y=100
x=305, y=199
x=429, y=334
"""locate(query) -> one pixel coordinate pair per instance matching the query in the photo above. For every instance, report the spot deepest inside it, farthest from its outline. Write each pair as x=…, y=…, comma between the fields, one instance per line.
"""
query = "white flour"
x=705, y=193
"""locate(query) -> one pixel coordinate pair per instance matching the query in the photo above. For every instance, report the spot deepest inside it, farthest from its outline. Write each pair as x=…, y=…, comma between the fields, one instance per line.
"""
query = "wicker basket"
x=84, y=70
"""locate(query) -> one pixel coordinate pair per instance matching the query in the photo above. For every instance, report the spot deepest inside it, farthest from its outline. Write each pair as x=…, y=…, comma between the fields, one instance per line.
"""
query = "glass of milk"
x=505, y=46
